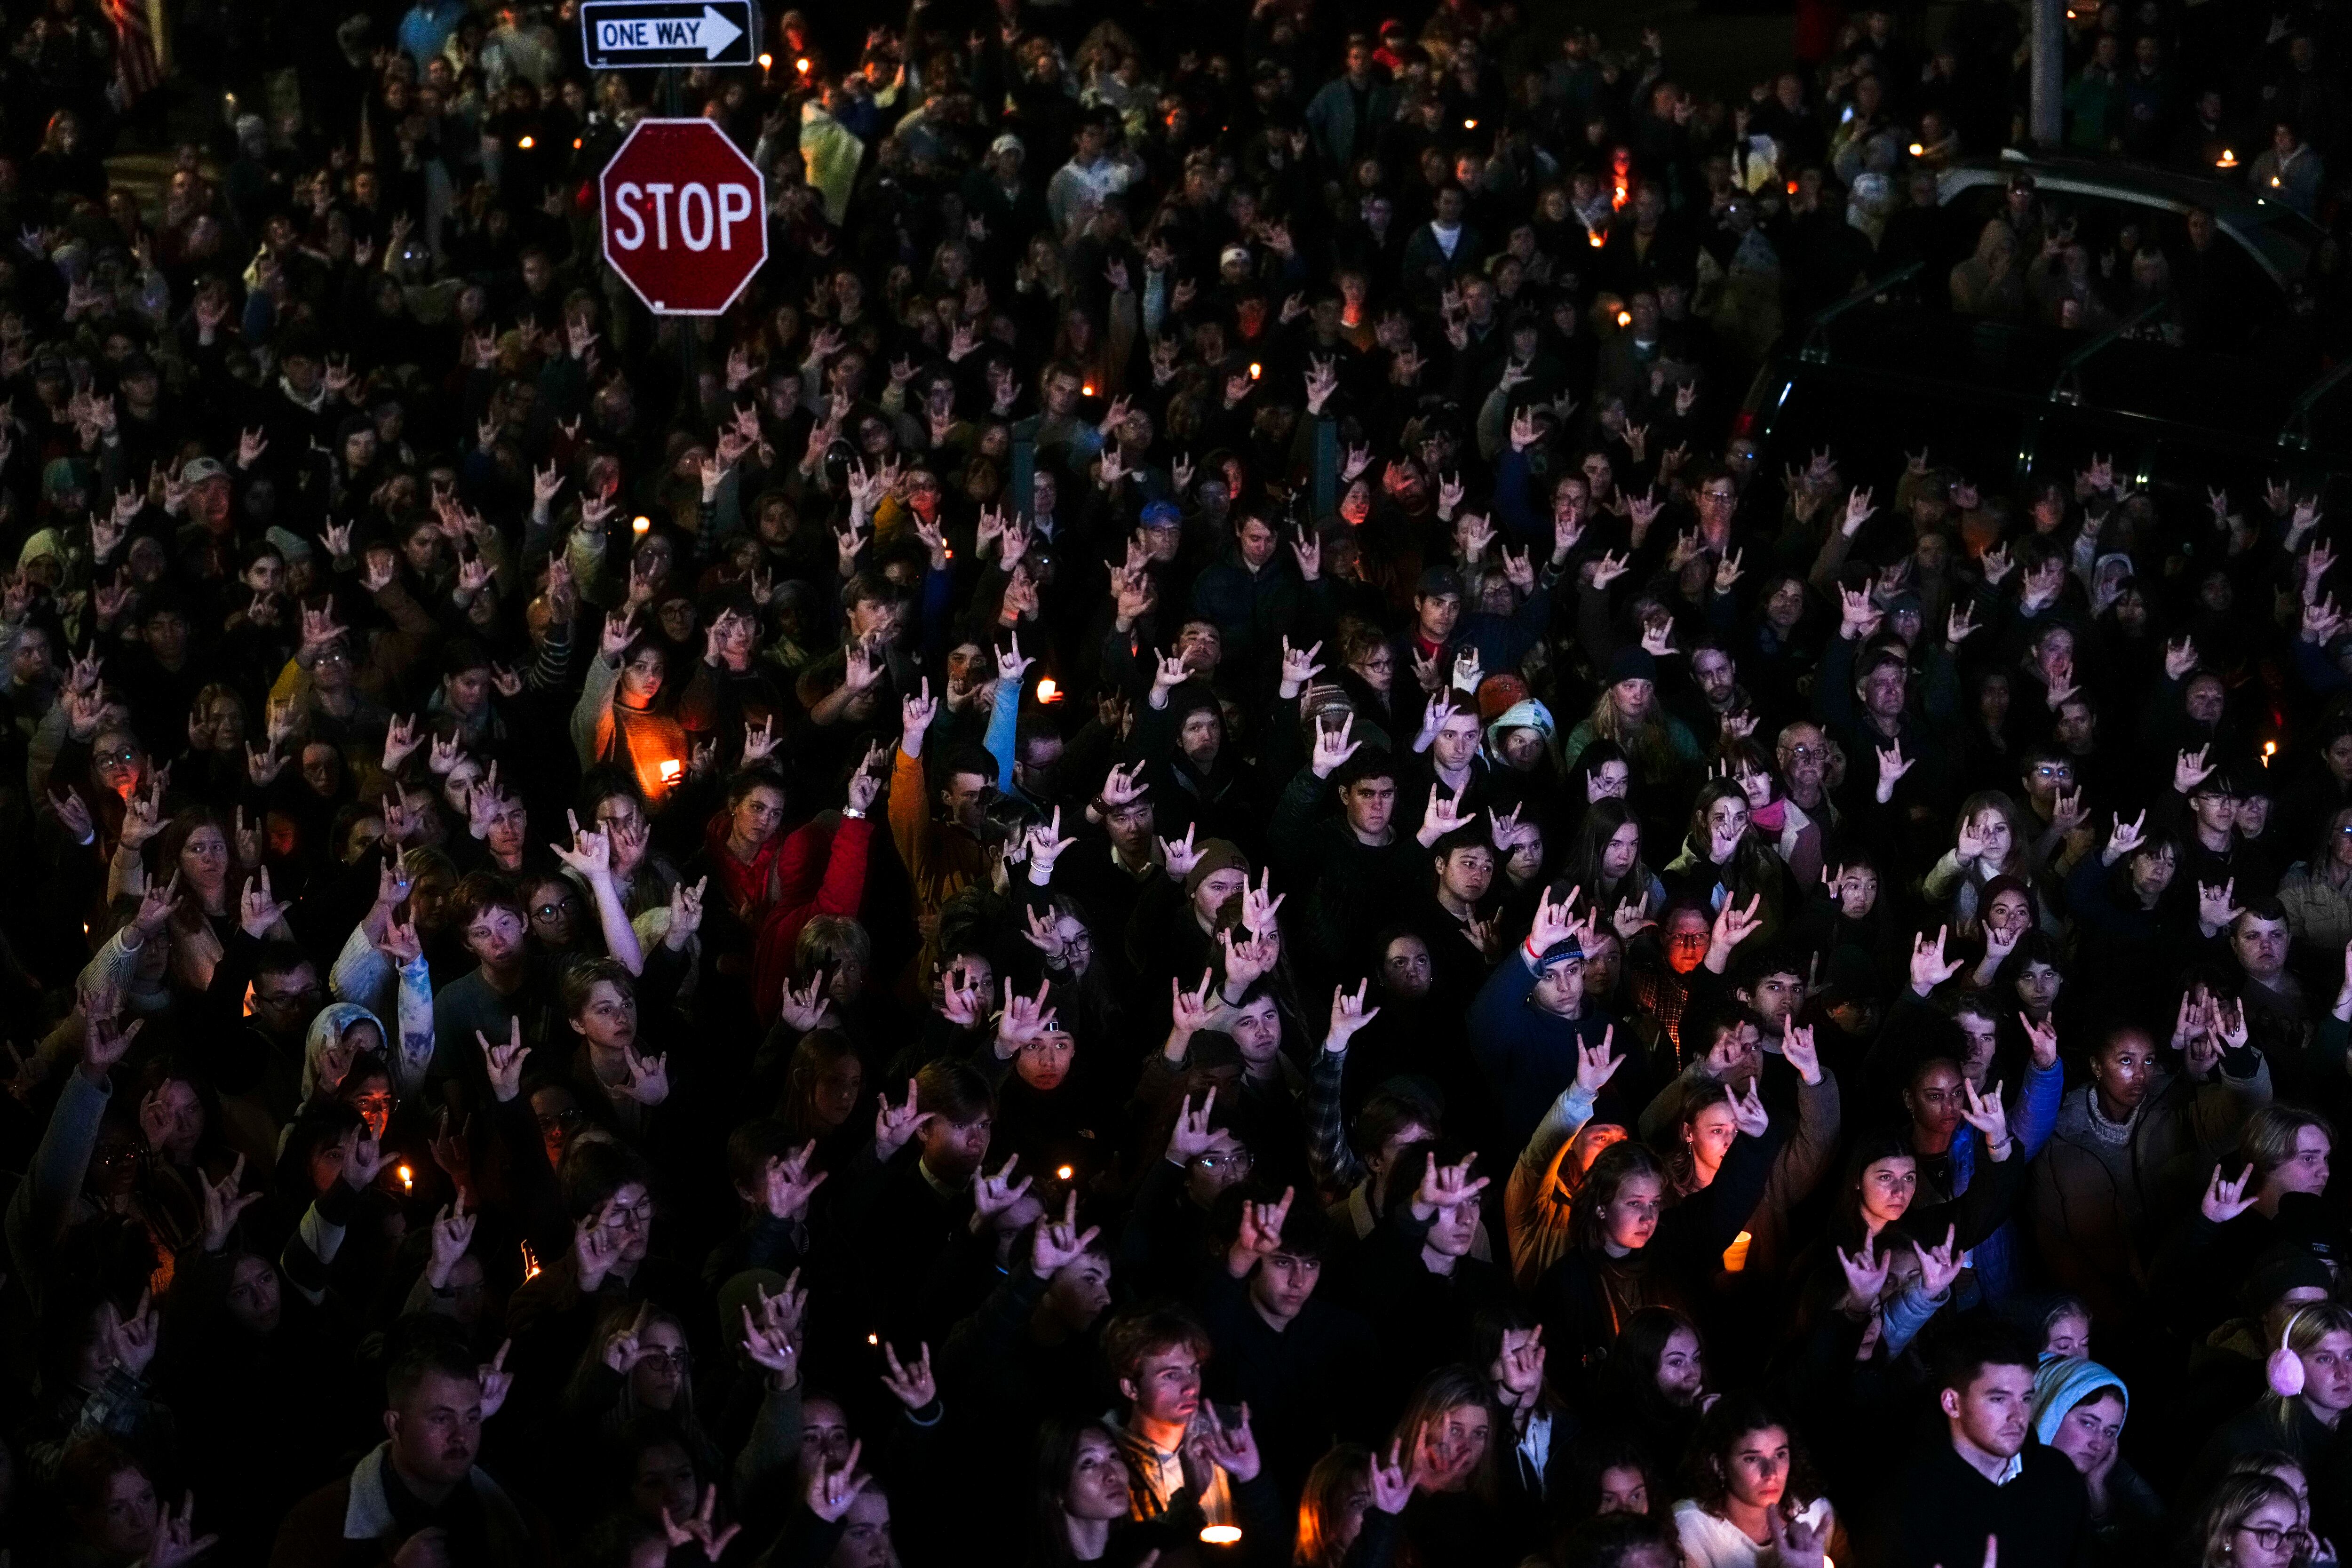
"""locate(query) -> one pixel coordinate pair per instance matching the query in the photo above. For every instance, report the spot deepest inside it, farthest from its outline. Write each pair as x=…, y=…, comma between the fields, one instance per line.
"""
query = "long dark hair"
x=1058, y=1452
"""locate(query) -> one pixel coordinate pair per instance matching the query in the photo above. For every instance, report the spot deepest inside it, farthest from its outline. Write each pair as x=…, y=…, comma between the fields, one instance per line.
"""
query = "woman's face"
x=757, y=815
x=370, y=1096
x=1623, y=848
x=1727, y=821
x=125, y=1521
x=2068, y=1335
x=1887, y=1188
x=824, y=1435
x=1633, y=699
x=1630, y=1218
x=1623, y=1490
x=1709, y=1134
x=2328, y=1373
x=658, y=1379
x=664, y=1480
x=1992, y=831
x=1682, y=1370
x=2277, y=1521
x=204, y=858
x=1786, y=607
x=838, y=1089
x=1757, y=787
x=2008, y=913
x=2038, y=985
x=1992, y=701
x=641, y=678
x=1459, y=1438
x=2088, y=1433
x=1523, y=748
x=1099, y=1488
x=1755, y=1468
x=253, y=1299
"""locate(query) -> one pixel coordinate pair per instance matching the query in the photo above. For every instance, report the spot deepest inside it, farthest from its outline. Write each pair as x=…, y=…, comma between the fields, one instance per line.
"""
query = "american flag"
x=136, y=60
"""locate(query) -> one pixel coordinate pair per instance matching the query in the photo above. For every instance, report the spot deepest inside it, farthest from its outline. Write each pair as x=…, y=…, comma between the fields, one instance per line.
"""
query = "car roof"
x=2281, y=238
x=2132, y=182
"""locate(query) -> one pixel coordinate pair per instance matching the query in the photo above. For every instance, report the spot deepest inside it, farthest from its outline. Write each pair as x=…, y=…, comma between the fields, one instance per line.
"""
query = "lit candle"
x=1469, y=125
x=1257, y=368
x=527, y=143
x=1735, y=1257
x=642, y=525
x=1063, y=1172
x=407, y=1178
x=1048, y=691
x=1220, y=1535
x=671, y=767
x=2228, y=160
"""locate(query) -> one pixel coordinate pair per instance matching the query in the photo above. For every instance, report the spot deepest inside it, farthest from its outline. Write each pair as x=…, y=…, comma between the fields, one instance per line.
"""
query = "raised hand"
x=895, y=1124
x=1058, y=1243
x=1348, y=1015
x=1984, y=1112
x=1865, y=1273
x=1939, y=1266
x=1929, y=967
x=504, y=1063
x=832, y=1489
x=911, y=1382
x=1596, y=1065
x=2226, y=1198
x=1334, y=747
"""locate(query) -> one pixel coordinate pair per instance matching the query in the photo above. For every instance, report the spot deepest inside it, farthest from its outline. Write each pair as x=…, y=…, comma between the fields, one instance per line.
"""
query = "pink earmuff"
x=2284, y=1368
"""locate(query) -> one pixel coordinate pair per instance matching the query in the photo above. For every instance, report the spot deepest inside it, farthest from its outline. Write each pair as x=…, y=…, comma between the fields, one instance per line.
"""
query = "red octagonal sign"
x=684, y=223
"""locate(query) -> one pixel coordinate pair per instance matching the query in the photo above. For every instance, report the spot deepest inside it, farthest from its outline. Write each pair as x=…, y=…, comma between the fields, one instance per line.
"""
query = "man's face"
x=965, y=800
x=1371, y=804
x=437, y=1431
x=494, y=935
x=953, y=1150
x=1992, y=1413
x=1777, y=999
x=2260, y=945
x=284, y=1000
x=2215, y=812
x=1257, y=1029
x=1457, y=740
x=1283, y=1283
x=1166, y=1388
x=1466, y=873
x=1559, y=989
x=1438, y=614
x=2305, y=1170
x=1405, y=968
x=1712, y=670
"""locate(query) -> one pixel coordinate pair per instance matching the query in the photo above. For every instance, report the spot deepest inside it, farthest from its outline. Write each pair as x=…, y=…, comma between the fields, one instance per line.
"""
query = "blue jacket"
x=2031, y=1121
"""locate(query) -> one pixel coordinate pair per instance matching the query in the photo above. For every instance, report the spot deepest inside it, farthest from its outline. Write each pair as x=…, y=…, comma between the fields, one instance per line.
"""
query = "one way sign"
x=620, y=34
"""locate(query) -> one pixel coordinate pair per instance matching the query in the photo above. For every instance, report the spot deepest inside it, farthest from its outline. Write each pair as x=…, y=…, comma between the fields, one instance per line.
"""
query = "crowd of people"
x=1180, y=855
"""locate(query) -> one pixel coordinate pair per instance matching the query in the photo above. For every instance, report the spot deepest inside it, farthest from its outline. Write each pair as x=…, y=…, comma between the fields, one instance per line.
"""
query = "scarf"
x=1770, y=818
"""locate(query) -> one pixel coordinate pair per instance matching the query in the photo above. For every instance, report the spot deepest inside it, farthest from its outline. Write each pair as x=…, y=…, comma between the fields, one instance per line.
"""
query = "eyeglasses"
x=2271, y=1537
x=548, y=911
x=1236, y=1160
x=2055, y=770
x=629, y=1216
x=678, y=1358
x=121, y=756
x=565, y=1120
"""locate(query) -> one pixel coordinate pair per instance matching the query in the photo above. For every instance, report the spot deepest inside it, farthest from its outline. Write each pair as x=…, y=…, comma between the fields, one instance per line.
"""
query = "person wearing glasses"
x=2252, y=1522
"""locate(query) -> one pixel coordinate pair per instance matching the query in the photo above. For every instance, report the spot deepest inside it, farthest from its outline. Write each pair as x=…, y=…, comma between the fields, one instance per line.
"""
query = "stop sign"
x=683, y=221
